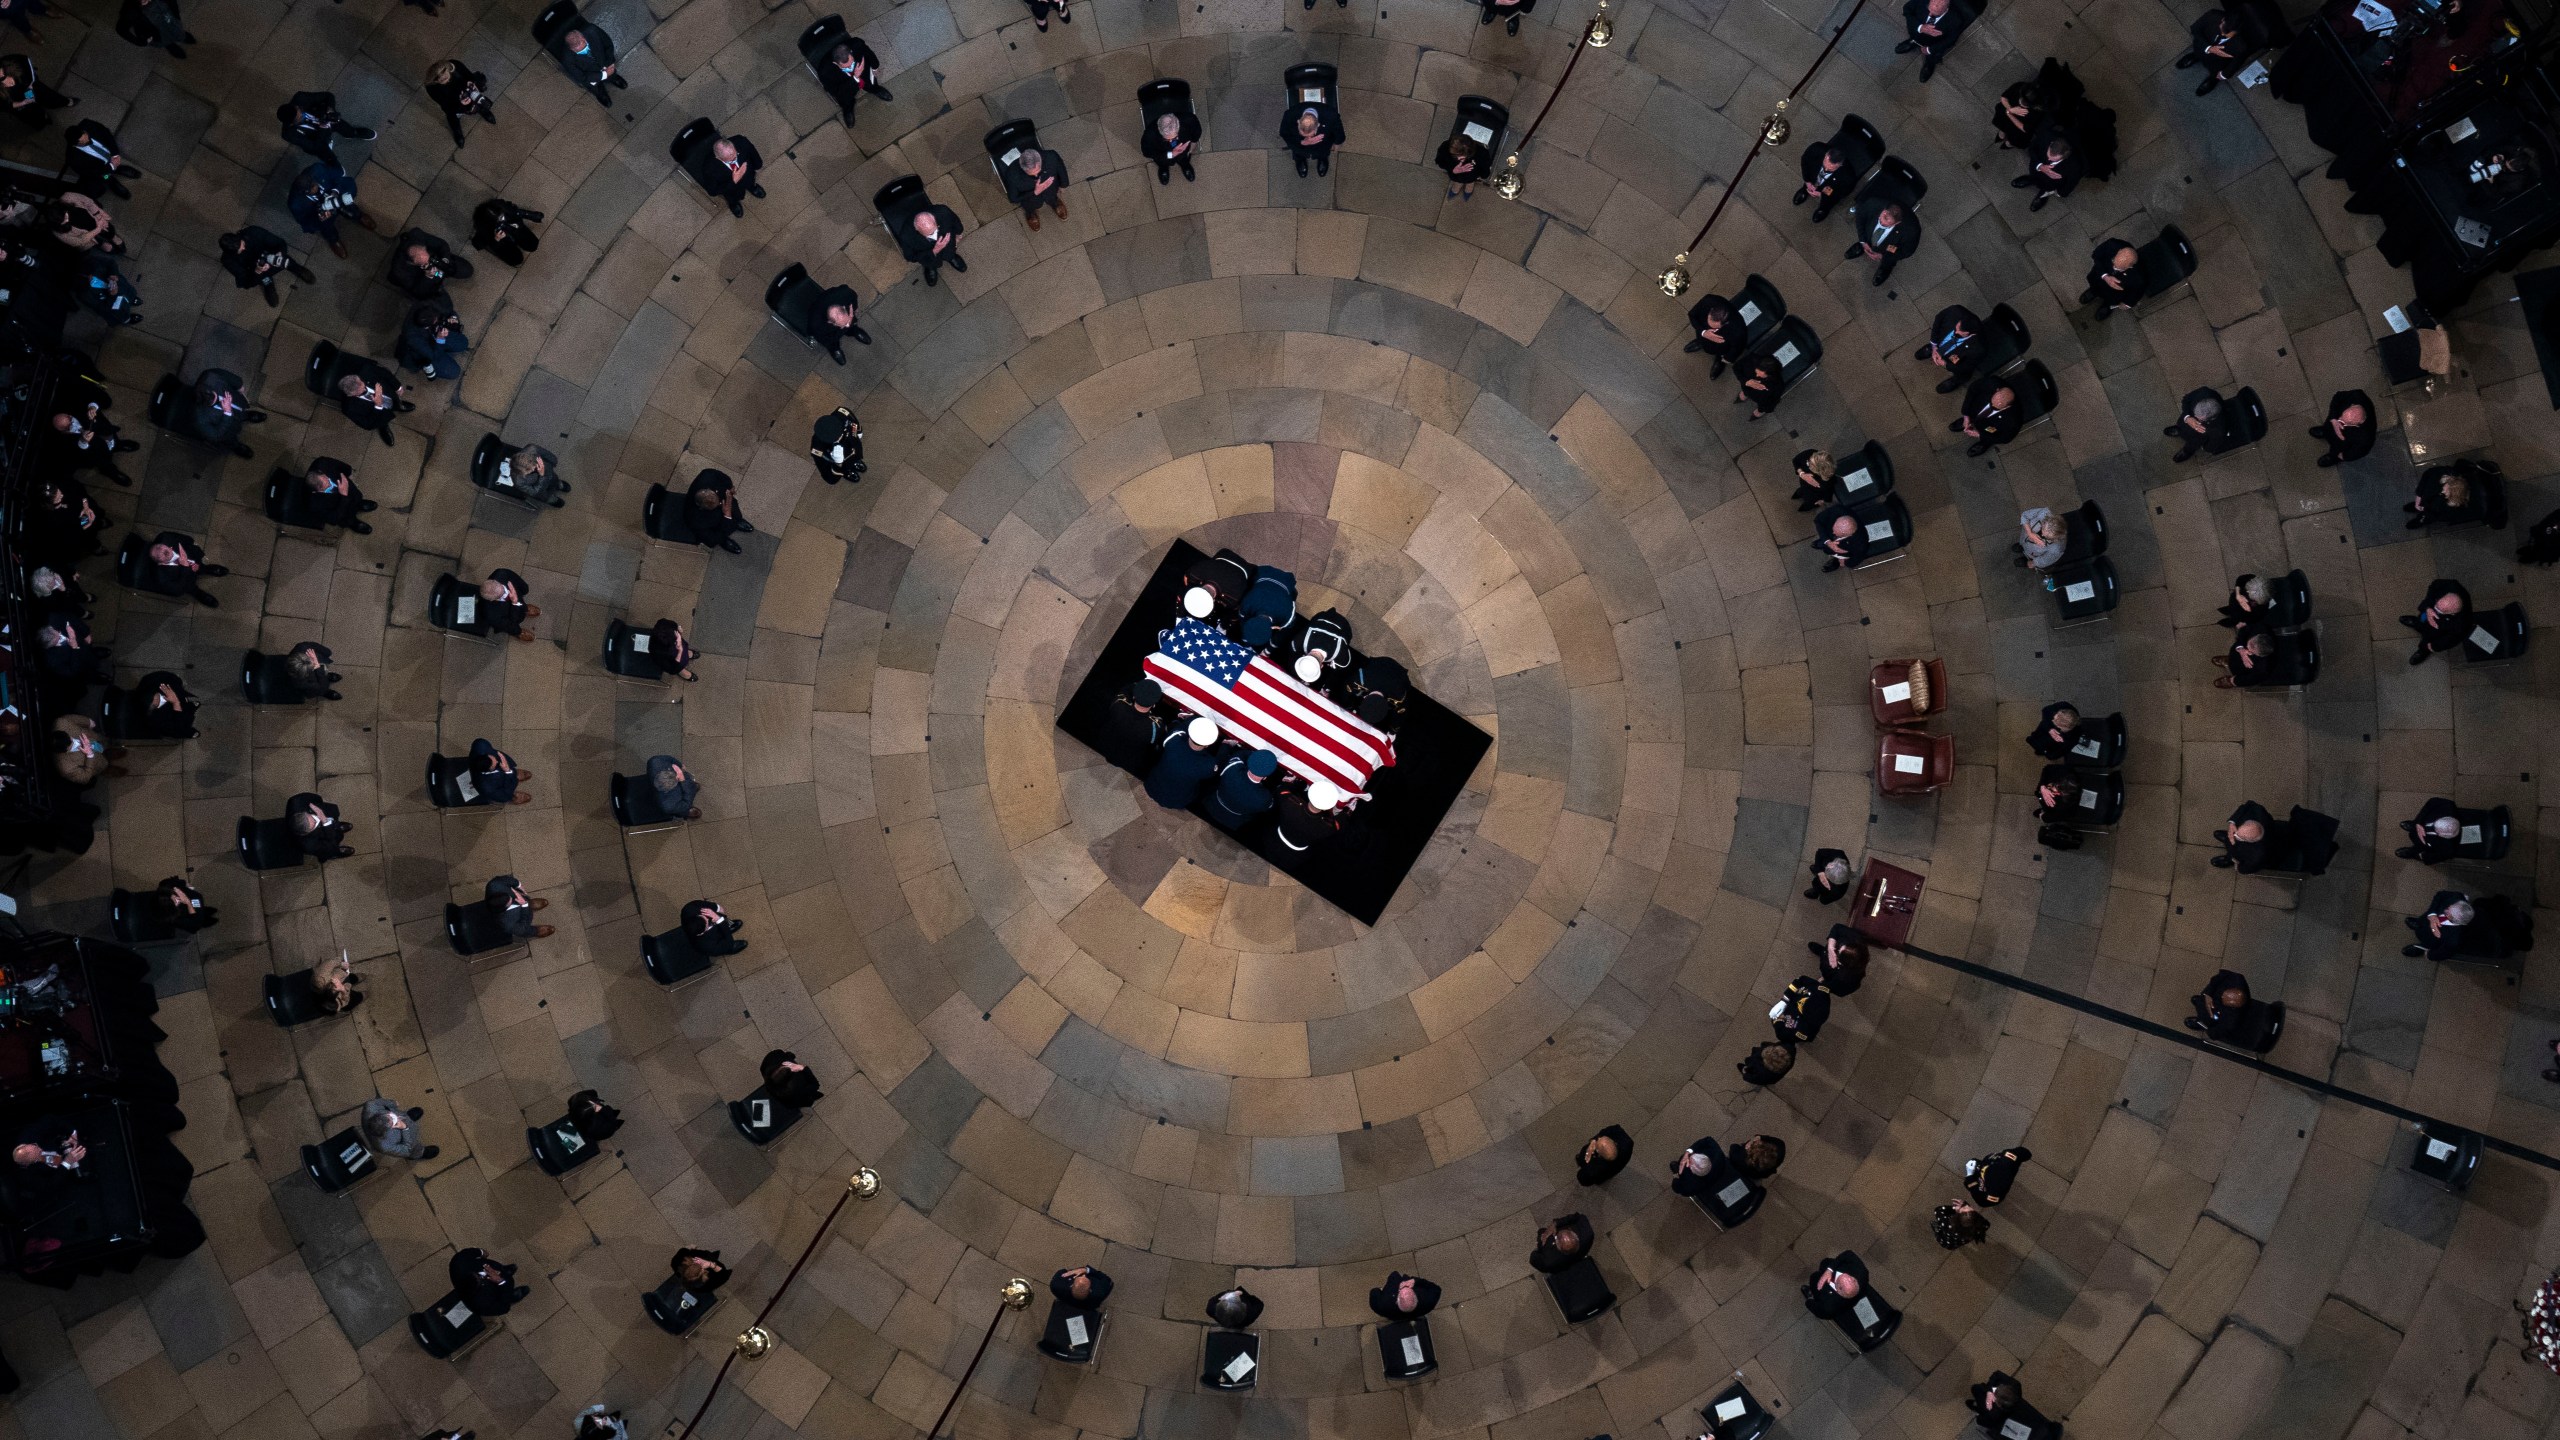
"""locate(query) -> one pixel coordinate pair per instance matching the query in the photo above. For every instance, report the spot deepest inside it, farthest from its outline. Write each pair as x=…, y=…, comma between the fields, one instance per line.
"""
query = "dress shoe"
x=2419, y=523
x=1324, y=164
x=2186, y=62
x=756, y=190
x=431, y=1152
x=2194, y=1024
x=367, y=507
x=1717, y=369
x=1059, y=207
x=270, y=292
x=2037, y=203
x=1950, y=385
x=1031, y=218
x=2182, y=457
x=2413, y=952
x=2222, y=862
x=1920, y=354
x=1906, y=47
x=2318, y=432
x=860, y=335
x=333, y=695
x=1694, y=347
x=241, y=450
x=1975, y=450
x=836, y=353
x=1852, y=252
x=338, y=248
x=1880, y=277
x=1800, y=197
x=1302, y=160
x=2022, y=182
x=358, y=527
x=368, y=222
x=1830, y=565
x=2409, y=620
x=2406, y=852
x=2210, y=81
x=733, y=547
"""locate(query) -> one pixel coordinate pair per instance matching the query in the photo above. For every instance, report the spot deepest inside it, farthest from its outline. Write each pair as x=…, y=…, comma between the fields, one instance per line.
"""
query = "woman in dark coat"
x=1463, y=161
x=505, y=230
x=459, y=90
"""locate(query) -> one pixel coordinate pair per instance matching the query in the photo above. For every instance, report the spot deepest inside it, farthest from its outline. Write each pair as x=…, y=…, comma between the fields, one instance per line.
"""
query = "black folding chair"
x=2248, y=424
x=2084, y=533
x=475, y=932
x=493, y=473
x=1866, y=474
x=2085, y=593
x=635, y=806
x=1759, y=307
x=792, y=299
x=2167, y=262
x=1481, y=120
x=2004, y=342
x=268, y=680
x=2288, y=601
x=1404, y=1349
x=1580, y=1291
x=2499, y=637
x=288, y=502
x=557, y=16
x=897, y=203
x=1888, y=526
x=268, y=844
x=2101, y=744
x=1005, y=144
x=627, y=657
x=1895, y=180
x=1795, y=347
x=1312, y=83
x=672, y=959
x=691, y=141
x=454, y=608
x=819, y=40
x=2038, y=396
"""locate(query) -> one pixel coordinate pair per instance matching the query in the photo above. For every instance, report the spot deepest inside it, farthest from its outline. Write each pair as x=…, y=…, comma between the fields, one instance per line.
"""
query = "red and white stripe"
x=1271, y=710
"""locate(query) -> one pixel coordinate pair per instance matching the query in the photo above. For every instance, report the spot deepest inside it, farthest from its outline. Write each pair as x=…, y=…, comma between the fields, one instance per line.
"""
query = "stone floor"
x=1470, y=424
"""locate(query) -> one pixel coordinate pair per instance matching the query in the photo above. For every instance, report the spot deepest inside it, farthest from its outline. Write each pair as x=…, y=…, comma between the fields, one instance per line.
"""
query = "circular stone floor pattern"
x=1069, y=1029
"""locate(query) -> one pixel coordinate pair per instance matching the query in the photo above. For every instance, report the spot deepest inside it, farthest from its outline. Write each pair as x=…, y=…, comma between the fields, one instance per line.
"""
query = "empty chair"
x=1312, y=83
x=2166, y=262
x=2247, y=417
x=472, y=930
x=792, y=298
x=1888, y=527
x=291, y=1001
x=1230, y=1359
x=2497, y=636
x=448, y=1327
x=2004, y=342
x=2084, y=533
x=1903, y=692
x=2038, y=395
x=2084, y=592
x=1865, y=474
x=268, y=844
x=1795, y=347
x=1910, y=763
x=1404, y=1349
x=454, y=608
x=671, y=958
x=268, y=680
x=1759, y=307
x=1581, y=1291
x=340, y=1162
x=1895, y=180
x=1737, y=1414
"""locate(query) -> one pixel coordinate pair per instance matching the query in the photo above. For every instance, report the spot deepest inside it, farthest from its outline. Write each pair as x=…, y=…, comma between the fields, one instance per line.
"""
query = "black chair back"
x=284, y=501
x=267, y=844
x=165, y=397
x=697, y=135
x=2289, y=600
x=1482, y=120
x=2038, y=395
x=1795, y=347
x=320, y=372
x=1759, y=307
x=472, y=930
x=2005, y=339
x=626, y=652
x=557, y=16
x=1860, y=144
x=899, y=200
x=1895, y=179
x=1866, y=474
x=1311, y=83
x=818, y=39
x=1010, y=139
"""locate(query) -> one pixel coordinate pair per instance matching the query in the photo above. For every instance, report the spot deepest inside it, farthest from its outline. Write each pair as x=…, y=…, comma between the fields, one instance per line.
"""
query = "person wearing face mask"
x=322, y=196
x=370, y=396
x=852, y=70
x=728, y=169
x=1171, y=141
x=2443, y=619
x=587, y=56
x=1932, y=27
x=432, y=342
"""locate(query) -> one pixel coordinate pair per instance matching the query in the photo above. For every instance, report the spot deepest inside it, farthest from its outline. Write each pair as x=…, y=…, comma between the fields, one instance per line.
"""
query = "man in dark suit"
x=312, y=124
x=2443, y=619
x=2215, y=42
x=1954, y=343
x=1764, y=383
x=1083, y=1287
x=1837, y=1284
x=2248, y=838
x=1403, y=1297
x=2057, y=730
x=586, y=55
x=488, y=1287
x=1603, y=1156
x=371, y=397
x=796, y=1085
x=2055, y=171
x=2348, y=432
x=317, y=828
x=96, y=160
x=710, y=929
x=432, y=342
x=2201, y=424
x=850, y=71
x=2002, y=1399
x=1310, y=131
x=1037, y=177
x=837, y=314
x=1990, y=415
x=727, y=168
x=1932, y=27
x=221, y=408
x=1716, y=331
x=2116, y=280
x=1171, y=141
x=1839, y=535
x=2435, y=836
x=1826, y=179
x=1888, y=237
x=1988, y=1179
x=514, y=909
x=155, y=23
x=1831, y=876
x=2222, y=1008
x=2439, y=931
x=932, y=239
x=459, y=90
x=1561, y=1243
x=495, y=774
x=1802, y=1010
x=322, y=195
x=421, y=262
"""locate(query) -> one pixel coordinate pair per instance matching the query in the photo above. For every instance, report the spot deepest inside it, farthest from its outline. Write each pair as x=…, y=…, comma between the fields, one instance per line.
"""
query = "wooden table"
x=1887, y=902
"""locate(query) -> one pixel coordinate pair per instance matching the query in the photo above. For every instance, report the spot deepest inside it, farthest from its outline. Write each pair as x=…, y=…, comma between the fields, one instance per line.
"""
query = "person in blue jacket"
x=1244, y=786
x=1189, y=759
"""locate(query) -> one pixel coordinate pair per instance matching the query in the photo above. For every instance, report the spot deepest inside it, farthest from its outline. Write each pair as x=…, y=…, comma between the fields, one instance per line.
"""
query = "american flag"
x=1263, y=705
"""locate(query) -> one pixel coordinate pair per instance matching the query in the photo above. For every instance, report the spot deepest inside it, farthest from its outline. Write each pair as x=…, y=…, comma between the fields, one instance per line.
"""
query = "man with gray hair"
x=2200, y=424
x=2434, y=836
x=2439, y=931
x=1830, y=876
x=1235, y=1309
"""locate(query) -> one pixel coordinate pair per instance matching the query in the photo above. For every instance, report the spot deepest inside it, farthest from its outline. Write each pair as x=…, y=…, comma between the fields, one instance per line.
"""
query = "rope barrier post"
x=755, y=1342
x=1013, y=1295
x=1596, y=36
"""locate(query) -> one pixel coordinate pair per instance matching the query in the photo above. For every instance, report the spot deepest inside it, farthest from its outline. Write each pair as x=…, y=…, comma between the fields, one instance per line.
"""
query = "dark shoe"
x=2222, y=862
x=2419, y=523
x=1324, y=165
x=2186, y=62
x=1694, y=347
x=1949, y=385
x=756, y=190
x=2406, y=852
x=1512, y=26
x=1800, y=197
x=2409, y=620
x=618, y=82
x=732, y=547
x=2210, y=81
x=207, y=600
x=2413, y=952
x=359, y=527
x=2318, y=432
x=270, y=292
x=1302, y=160
x=1928, y=68
x=1716, y=371
x=1830, y=565
x=2326, y=461
x=367, y=507
x=2021, y=183
x=737, y=211
x=1974, y=450
x=1189, y=174
x=836, y=353
x=1821, y=212
x=2419, y=657
x=2037, y=203
x=1920, y=354
x=300, y=271
x=860, y=335
x=2182, y=457
x=1881, y=276
x=1906, y=47
x=1852, y=252
x=431, y=1152
x=416, y=1114
x=931, y=279
x=243, y=451
x=338, y=248
x=882, y=91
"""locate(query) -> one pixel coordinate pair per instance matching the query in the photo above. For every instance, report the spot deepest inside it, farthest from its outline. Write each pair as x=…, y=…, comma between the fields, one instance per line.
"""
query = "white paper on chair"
x=1238, y=1368
x=1907, y=764
x=1865, y=1310
x=1897, y=692
x=2086, y=749
x=1787, y=353
x=639, y=643
x=2439, y=1149
x=1748, y=311
x=349, y=1156
x=2088, y=799
x=465, y=786
x=1734, y=1194
x=2376, y=17
x=2398, y=321
x=465, y=608
x=1310, y=94
x=1855, y=480
x=570, y=1140
x=1879, y=530
x=2481, y=637
x=1412, y=1350
x=687, y=1300
x=1730, y=1409
x=1076, y=1333
x=762, y=1112
x=2459, y=131
x=2079, y=590
x=2470, y=834
x=1480, y=133
x=459, y=1315
x=2254, y=75
x=506, y=475
x=1010, y=156
x=2016, y=1430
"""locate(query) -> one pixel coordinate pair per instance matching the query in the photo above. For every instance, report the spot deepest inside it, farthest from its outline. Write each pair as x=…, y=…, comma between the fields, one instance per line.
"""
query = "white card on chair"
x=1897, y=692
x=2016, y=1430
x=1730, y=1409
x=2079, y=590
x=1479, y=133
x=1412, y=1350
x=2398, y=322
x=1238, y=1368
x=639, y=643
x=2088, y=799
x=2481, y=637
x=1076, y=1333
x=1907, y=764
x=459, y=1315
x=1734, y=1193
x=1879, y=531
x=1865, y=1310
x=1857, y=479
x=506, y=475
x=2470, y=834
x=465, y=608
x=468, y=788
x=2086, y=749
x=1787, y=353
x=2439, y=1150
x=1748, y=311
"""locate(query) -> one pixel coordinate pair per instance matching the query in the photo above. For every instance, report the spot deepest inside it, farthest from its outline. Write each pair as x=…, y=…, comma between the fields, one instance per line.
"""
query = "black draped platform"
x=1358, y=870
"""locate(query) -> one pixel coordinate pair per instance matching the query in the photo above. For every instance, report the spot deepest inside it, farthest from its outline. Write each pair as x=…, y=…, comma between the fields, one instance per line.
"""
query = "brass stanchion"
x=755, y=1342
x=1596, y=36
